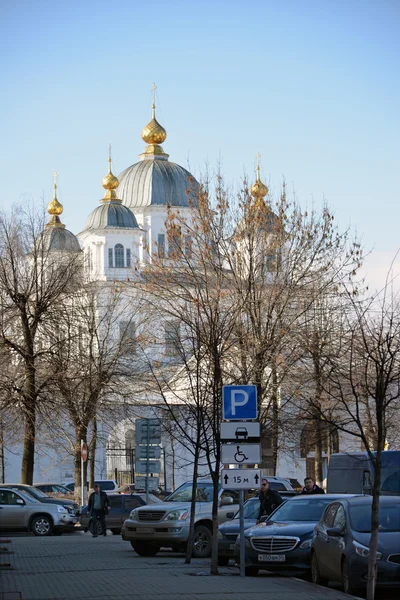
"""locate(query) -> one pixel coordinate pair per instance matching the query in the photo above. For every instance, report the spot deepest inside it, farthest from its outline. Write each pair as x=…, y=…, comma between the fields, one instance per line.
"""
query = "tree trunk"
x=80, y=434
x=318, y=450
x=28, y=456
x=373, y=544
x=189, y=547
x=92, y=453
x=275, y=419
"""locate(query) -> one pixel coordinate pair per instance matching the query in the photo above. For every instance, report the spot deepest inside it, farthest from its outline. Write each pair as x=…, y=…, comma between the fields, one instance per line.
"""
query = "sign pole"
x=147, y=463
x=242, y=548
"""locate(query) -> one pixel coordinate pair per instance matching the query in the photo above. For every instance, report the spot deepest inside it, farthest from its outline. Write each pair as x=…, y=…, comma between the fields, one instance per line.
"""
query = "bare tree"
x=34, y=278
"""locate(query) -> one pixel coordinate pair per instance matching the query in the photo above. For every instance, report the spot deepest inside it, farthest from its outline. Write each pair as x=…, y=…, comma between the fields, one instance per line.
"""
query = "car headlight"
x=306, y=544
x=133, y=514
x=220, y=535
x=177, y=515
x=61, y=509
x=246, y=542
x=364, y=550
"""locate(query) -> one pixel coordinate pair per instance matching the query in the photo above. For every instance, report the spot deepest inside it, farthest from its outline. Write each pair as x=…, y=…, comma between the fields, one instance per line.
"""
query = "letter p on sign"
x=239, y=402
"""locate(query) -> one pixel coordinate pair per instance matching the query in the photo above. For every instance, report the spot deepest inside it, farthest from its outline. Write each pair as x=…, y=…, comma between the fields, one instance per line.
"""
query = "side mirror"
x=20, y=502
x=226, y=501
x=263, y=518
x=230, y=515
x=334, y=532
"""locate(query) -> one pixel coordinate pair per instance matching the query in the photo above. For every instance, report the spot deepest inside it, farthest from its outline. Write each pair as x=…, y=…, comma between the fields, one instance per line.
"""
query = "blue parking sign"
x=239, y=402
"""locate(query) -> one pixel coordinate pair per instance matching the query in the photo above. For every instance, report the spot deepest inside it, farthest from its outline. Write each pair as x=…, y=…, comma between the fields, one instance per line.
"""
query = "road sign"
x=239, y=402
x=244, y=431
x=241, y=454
x=84, y=451
x=240, y=479
x=148, y=452
x=153, y=483
x=154, y=466
x=148, y=431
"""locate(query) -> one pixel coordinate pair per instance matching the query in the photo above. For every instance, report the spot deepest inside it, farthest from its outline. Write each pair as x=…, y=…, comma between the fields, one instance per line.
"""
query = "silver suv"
x=20, y=511
x=149, y=528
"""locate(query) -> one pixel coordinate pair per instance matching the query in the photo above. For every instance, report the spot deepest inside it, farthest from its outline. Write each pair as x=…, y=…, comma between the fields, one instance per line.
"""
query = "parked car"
x=340, y=544
x=167, y=524
x=21, y=511
x=53, y=488
x=228, y=531
x=71, y=506
x=282, y=543
x=281, y=485
x=106, y=485
x=121, y=507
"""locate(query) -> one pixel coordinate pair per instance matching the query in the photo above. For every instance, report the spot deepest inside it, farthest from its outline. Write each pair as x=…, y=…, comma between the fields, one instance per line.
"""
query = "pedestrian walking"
x=269, y=499
x=98, y=508
x=310, y=487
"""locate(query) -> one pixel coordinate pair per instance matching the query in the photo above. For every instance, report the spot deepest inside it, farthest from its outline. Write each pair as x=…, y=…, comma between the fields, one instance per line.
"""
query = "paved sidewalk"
x=79, y=567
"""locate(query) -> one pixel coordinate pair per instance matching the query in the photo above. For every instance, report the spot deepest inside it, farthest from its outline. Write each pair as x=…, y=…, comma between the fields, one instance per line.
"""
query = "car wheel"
x=315, y=574
x=116, y=531
x=145, y=549
x=251, y=571
x=202, y=542
x=223, y=561
x=347, y=581
x=42, y=525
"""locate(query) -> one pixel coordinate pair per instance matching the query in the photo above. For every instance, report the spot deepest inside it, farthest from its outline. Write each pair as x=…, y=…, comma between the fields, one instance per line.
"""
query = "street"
x=77, y=566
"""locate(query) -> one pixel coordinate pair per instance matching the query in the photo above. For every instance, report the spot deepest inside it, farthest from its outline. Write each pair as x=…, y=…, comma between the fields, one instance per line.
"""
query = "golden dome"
x=110, y=182
x=55, y=208
x=154, y=133
x=258, y=189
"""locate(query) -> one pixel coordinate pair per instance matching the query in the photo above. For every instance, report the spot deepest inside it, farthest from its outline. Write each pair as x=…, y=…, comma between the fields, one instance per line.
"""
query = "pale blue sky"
x=313, y=85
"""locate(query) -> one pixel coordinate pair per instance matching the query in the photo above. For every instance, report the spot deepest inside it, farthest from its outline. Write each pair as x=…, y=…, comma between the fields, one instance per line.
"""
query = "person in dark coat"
x=269, y=499
x=98, y=507
x=310, y=487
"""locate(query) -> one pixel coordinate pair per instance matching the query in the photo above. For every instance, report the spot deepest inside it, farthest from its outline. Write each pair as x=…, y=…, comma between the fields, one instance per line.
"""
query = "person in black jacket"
x=269, y=499
x=98, y=507
x=310, y=487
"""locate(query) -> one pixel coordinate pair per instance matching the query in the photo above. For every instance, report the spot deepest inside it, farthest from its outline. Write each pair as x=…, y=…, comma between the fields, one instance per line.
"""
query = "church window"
x=128, y=257
x=119, y=255
x=110, y=257
x=161, y=245
x=127, y=336
x=174, y=242
x=172, y=339
x=188, y=246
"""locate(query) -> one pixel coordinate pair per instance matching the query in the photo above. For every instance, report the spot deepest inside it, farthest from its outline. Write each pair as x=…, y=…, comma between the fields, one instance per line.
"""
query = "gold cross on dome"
x=109, y=153
x=55, y=175
x=258, y=156
x=153, y=91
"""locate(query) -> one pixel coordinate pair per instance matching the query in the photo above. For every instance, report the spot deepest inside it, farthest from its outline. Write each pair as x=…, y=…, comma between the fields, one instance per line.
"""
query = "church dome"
x=111, y=214
x=157, y=182
x=54, y=236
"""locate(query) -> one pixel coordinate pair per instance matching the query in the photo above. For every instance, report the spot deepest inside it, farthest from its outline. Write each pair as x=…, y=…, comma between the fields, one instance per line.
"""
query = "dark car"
x=229, y=530
x=283, y=543
x=340, y=545
x=71, y=506
x=121, y=507
x=53, y=488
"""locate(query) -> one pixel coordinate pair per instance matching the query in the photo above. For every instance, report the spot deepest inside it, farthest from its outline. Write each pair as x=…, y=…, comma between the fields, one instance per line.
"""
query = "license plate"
x=145, y=530
x=271, y=557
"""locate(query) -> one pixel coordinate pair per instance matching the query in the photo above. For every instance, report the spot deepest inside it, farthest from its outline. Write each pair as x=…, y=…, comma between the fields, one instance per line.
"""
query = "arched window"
x=119, y=255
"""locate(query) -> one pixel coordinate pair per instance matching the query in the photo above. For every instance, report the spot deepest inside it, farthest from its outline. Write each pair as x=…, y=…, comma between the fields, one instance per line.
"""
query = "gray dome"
x=59, y=239
x=111, y=214
x=155, y=182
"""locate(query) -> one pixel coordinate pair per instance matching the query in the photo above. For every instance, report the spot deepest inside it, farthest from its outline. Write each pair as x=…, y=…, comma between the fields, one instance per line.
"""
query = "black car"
x=283, y=543
x=121, y=507
x=340, y=545
x=228, y=531
x=71, y=506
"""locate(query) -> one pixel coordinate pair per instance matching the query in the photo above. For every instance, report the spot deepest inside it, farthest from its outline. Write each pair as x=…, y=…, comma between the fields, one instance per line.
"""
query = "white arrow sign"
x=241, y=454
x=240, y=479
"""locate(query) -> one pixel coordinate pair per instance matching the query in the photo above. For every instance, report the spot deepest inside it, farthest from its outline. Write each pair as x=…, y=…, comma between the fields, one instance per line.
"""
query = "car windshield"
x=184, y=493
x=389, y=517
x=250, y=510
x=309, y=509
x=27, y=497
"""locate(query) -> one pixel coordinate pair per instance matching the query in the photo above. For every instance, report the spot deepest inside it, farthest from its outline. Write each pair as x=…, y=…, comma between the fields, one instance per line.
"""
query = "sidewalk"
x=79, y=567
